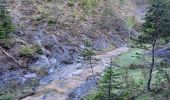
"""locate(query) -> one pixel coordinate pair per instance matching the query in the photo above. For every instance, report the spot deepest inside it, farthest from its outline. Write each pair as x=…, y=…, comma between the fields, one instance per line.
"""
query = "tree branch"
x=10, y=56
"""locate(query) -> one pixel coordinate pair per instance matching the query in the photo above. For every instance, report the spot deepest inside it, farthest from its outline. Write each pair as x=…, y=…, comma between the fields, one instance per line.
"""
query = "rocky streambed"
x=73, y=81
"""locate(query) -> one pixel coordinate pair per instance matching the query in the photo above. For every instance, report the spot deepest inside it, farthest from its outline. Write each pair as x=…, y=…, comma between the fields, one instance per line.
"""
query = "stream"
x=73, y=81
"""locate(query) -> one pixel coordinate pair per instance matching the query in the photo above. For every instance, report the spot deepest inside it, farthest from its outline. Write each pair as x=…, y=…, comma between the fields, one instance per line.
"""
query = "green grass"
x=130, y=21
x=139, y=75
x=130, y=57
x=134, y=56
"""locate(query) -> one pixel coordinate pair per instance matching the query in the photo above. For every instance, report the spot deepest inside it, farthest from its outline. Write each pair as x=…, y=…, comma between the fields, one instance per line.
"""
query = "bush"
x=31, y=51
x=38, y=49
x=27, y=51
x=70, y=3
x=51, y=22
x=88, y=4
x=130, y=21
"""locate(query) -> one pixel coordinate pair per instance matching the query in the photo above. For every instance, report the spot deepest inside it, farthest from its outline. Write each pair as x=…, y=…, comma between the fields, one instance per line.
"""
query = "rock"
x=53, y=61
x=82, y=90
x=23, y=79
x=43, y=62
x=30, y=75
x=82, y=46
x=7, y=77
x=67, y=61
x=38, y=42
x=51, y=70
x=48, y=40
x=46, y=80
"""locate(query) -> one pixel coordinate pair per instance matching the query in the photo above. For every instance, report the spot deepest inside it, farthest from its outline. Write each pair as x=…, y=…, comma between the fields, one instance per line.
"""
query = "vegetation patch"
x=133, y=68
x=30, y=51
x=6, y=25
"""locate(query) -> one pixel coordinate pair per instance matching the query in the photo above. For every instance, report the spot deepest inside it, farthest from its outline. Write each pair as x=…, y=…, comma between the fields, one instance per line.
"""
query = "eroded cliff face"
x=53, y=31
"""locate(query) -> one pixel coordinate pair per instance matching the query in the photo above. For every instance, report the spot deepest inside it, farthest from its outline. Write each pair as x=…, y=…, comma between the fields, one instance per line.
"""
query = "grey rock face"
x=43, y=62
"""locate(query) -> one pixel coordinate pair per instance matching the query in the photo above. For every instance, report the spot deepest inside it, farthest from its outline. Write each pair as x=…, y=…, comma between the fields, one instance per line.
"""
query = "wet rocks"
x=81, y=91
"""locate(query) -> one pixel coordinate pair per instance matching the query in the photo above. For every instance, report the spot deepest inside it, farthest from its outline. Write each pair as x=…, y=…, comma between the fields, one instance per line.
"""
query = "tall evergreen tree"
x=156, y=26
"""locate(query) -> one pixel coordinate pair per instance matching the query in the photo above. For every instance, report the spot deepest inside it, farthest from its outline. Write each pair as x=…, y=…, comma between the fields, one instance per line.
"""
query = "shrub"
x=70, y=3
x=31, y=51
x=88, y=4
x=130, y=21
x=51, y=22
x=38, y=49
x=122, y=2
x=27, y=51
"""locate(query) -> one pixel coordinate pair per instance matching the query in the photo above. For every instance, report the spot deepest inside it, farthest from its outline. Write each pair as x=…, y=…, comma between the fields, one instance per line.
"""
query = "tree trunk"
x=151, y=67
x=92, y=71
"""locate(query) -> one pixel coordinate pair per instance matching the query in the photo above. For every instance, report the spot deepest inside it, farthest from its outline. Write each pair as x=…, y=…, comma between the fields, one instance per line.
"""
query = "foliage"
x=134, y=80
x=38, y=49
x=28, y=51
x=7, y=98
x=31, y=50
x=51, y=22
x=157, y=22
x=155, y=27
x=122, y=2
x=88, y=4
x=6, y=25
x=109, y=85
x=70, y=3
x=87, y=54
x=130, y=21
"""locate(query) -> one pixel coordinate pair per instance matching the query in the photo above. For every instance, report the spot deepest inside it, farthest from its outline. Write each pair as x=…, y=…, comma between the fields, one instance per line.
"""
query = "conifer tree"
x=6, y=26
x=156, y=26
x=110, y=81
x=87, y=54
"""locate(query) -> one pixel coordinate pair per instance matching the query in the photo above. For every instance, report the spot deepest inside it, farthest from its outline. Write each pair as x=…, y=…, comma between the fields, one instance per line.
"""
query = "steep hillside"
x=50, y=34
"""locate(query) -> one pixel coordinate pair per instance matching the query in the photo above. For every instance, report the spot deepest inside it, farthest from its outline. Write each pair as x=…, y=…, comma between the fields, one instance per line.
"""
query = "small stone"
x=53, y=61
x=51, y=71
x=30, y=75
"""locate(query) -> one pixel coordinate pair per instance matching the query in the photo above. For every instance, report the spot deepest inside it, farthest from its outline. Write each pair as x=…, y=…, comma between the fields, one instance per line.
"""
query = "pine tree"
x=156, y=26
x=111, y=80
x=6, y=26
x=87, y=54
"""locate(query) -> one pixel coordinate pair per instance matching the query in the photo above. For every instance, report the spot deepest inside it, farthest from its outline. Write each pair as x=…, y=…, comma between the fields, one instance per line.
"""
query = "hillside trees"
x=156, y=26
